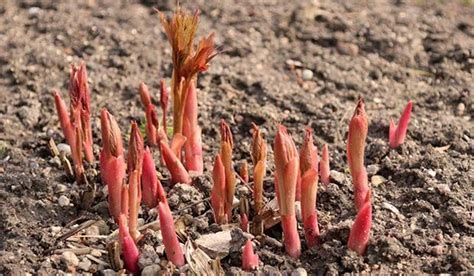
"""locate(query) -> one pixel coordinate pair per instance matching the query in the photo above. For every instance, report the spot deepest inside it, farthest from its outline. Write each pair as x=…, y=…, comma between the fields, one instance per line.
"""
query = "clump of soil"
x=294, y=63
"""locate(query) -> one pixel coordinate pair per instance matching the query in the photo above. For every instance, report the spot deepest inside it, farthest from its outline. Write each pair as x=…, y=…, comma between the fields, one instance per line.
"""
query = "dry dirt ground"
x=294, y=62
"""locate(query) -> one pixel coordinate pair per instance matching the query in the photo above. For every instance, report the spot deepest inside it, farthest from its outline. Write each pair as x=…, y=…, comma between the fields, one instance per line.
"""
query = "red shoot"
x=249, y=258
x=244, y=171
x=152, y=124
x=64, y=119
x=193, y=156
x=175, y=167
x=324, y=166
x=227, y=144
x=112, y=161
x=398, y=133
x=355, y=153
x=244, y=214
x=360, y=231
x=259, y=159
x=173, y=250
x=76, y=149
x=218, y=191
x=164, y=101
x=287, y=170
x=80, y=102
x=134, y=168
x=152, y=191
x=309, y=188
x=130, y=252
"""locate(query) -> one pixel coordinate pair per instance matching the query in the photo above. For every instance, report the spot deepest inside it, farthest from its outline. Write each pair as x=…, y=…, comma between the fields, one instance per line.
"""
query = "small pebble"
x=151, y=270
x=63, y=201
x=391, y=208
x=299, y=272
x=92, y=230
x=307, y=74
x=85, y=264
x=55, y=229
x=298, y=210
x=444, y=188
x=55, y=161
x=373, y=169
x=64, y=148
x=437, y=250
x=70, y=259
x=242, y=190
x=377, y=180
x=96, y=253
x=460, y=109
x=431, y=173
x=60, y=188
x=347, y=48
x=338, y=177
x=34, y=10
x=294, y=63
x=109, y=272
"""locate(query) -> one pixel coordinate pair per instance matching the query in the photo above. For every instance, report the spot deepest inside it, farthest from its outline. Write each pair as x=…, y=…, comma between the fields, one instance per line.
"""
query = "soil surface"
x=296, y=64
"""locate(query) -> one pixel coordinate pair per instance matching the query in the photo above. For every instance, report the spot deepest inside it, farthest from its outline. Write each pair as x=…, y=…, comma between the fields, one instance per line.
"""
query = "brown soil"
x=386, y=51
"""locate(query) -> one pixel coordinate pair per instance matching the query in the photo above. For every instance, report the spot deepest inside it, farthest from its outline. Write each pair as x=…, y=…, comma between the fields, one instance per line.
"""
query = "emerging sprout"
x=355, y=153
x=286, y=174
x=112, y=161
x=360, y=231
x=249, y=258
x=259, y=159
x=309, y=188
x=397, y=133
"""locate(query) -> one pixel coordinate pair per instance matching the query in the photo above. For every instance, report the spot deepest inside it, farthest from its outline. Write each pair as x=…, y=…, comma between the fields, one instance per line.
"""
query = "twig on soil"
x=71, y=232
x=77, y=251
x=62, y=156
x=53, y=148
x=246, y=184
x=90, y=257
x=90, y=236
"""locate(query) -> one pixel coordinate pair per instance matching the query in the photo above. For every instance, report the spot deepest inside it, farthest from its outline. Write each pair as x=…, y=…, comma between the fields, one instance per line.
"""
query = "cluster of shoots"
x=131, y=177
x=76, y=125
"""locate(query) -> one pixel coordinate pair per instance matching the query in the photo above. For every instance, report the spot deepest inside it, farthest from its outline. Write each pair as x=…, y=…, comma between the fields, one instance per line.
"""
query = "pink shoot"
x=398, y=133
x=173, y=249
x=358, y=127
x=152, y=191
x=130, y=252
x=249, y=258
x=218, y=191
x=244, y=214
x=287, y=170
x=152, y=124
x=360, y=231
x=259, y=160
x=227, y=144
x=175, y=167
x=309, y=188
x=64, y=119
x=244, y=171
x=324, y=166
x=112, y=161
x=134, y=169
x=164, y=101
x=80, y=102
x=193, y=156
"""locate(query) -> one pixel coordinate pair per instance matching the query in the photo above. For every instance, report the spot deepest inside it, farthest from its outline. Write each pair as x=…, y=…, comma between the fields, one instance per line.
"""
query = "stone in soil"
x=70, y=259
x=63, y=201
